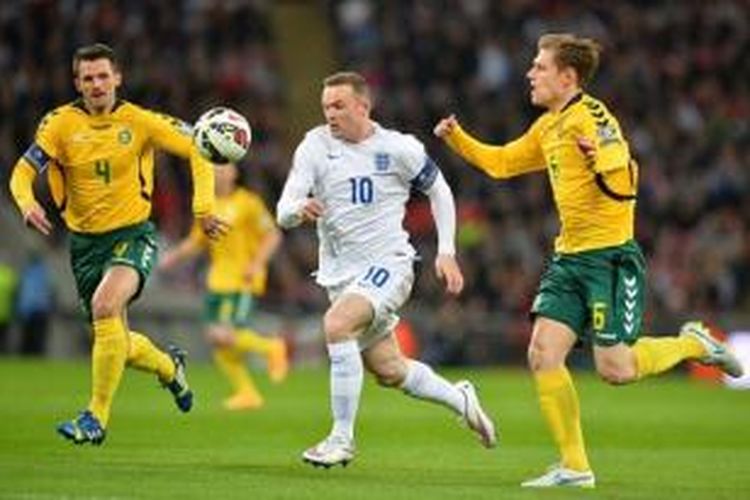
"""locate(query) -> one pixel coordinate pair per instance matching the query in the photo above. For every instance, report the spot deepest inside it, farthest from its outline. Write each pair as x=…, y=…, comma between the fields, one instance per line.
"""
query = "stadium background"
x=674, y=72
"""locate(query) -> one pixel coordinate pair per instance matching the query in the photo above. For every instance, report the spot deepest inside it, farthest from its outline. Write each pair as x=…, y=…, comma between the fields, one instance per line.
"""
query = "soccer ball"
x=222, y=135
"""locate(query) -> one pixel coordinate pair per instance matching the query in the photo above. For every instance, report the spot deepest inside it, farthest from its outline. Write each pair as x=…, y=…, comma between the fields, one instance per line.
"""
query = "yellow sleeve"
x=623, y=181
x=46, y=147
x=176, y=136
x=517, y=157
x=204, y=200
x=22, y=185
x=35, y=160
x=197, y=237
x=603, y=131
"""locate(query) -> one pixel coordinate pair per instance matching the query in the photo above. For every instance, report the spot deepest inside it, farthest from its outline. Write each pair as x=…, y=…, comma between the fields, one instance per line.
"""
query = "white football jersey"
x=364, y=188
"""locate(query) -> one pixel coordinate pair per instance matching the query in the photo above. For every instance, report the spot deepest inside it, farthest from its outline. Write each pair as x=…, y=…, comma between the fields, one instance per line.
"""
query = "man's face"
x=346, y=112
x=97, y=82
x=549, y=83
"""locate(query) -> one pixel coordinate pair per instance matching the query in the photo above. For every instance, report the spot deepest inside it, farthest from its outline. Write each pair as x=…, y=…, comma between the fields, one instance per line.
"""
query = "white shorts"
x=386, y=285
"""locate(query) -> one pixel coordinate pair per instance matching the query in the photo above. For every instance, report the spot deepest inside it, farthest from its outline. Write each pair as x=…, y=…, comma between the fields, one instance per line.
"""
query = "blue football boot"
x=183, y=396
x=85, y=428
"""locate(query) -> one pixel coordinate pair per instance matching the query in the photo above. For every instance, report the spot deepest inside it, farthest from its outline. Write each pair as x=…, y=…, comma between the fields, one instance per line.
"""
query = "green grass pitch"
x=664, y=438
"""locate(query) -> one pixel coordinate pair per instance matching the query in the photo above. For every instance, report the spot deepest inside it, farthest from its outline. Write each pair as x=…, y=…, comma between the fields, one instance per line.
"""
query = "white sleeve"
x=424, y=175
x=444, y=212
x=418, y=168
x=297, y=188
x=411, y=157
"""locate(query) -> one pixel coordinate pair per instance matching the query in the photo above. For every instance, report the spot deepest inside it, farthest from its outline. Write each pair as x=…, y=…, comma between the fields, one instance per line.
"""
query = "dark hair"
x=571, y=51
x=357, y=82
x=92, y=53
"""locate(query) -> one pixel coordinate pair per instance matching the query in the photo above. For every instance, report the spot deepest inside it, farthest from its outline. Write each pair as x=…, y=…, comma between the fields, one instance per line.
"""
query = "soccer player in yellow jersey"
x=596, y=278
x=99, y=155
x=237, y=273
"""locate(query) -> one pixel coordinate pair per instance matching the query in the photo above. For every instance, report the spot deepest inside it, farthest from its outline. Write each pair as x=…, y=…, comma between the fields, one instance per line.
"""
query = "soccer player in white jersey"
x=353, y=178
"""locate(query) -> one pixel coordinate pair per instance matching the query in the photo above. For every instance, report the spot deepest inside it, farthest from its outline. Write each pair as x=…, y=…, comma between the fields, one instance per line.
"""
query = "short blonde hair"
x=356, y=81
x=571, y=51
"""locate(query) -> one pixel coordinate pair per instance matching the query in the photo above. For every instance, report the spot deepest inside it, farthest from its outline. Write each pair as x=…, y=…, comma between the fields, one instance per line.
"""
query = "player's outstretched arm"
x=521, y=156
x=184, y=250
x=488, y=158
x=21, y=187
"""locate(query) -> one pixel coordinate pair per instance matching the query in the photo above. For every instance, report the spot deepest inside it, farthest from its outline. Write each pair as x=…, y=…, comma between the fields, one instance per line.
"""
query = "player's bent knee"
x=616, y=374
x=221, y=342
x=103, y=307
x=615, y=366
x=542, y=359
x=390, y=375
x=336, y=327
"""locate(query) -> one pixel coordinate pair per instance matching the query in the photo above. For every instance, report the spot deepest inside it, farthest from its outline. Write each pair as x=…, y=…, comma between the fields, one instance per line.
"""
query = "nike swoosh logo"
x=561, y=480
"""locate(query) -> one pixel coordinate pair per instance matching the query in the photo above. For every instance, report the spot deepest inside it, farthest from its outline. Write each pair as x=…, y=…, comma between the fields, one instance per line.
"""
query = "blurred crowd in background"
x=675, y=73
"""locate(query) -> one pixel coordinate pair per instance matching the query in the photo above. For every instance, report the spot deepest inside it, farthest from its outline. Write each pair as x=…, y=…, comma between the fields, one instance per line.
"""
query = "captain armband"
x=37, y=157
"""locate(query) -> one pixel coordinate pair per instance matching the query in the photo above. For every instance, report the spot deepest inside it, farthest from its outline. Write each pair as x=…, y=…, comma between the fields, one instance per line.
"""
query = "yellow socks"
x=247, y=340
x=232, y=364
x=108, y=362
x=658, y=354
x=274, y=349
x=145, y=356
x=559, y=403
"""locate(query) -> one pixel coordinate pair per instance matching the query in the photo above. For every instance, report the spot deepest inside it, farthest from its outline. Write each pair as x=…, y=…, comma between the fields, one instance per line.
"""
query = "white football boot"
x=333, y=450
x=717, y=352
x=559, y=476
x=475, y=417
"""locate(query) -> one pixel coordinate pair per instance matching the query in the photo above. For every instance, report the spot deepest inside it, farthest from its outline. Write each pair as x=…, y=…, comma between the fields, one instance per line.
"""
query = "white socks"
x=423, y=383
x=346, y=385
x=347, y=374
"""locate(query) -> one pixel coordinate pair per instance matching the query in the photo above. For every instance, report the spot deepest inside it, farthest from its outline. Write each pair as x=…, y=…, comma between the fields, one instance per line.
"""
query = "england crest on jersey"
x=382, y=162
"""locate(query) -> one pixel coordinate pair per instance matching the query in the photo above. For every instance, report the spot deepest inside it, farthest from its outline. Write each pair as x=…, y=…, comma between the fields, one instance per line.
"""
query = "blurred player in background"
x=596, y=278
x=353, y=178
x=99, y=155
x=237, y=274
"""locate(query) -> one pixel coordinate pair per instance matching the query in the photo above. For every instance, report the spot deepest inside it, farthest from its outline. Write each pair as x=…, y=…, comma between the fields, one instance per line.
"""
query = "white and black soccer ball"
x=222, y=135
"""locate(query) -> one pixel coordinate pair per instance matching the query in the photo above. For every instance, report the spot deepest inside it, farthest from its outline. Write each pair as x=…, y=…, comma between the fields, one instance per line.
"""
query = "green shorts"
x=92, y=254
x=233, y=309
x=602, y=290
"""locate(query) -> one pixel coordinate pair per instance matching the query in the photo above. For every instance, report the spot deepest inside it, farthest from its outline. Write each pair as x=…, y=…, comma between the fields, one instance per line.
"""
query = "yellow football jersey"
x=230, y=255
x=594, y=198
x=101, y=166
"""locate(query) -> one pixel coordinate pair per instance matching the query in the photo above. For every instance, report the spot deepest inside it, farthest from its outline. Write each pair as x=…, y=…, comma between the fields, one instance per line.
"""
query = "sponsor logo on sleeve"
x=607, y=135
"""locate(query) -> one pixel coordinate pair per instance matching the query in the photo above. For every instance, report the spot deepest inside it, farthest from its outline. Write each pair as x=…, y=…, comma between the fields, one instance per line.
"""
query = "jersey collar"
x=78, y=103
x=576, y=98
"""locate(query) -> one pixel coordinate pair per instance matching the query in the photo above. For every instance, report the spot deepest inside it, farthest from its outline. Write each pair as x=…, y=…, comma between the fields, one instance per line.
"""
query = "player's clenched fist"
x=445, y=126
x=311, y=210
